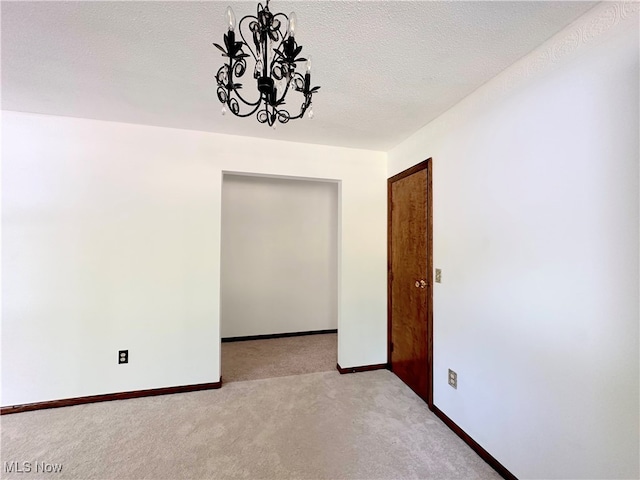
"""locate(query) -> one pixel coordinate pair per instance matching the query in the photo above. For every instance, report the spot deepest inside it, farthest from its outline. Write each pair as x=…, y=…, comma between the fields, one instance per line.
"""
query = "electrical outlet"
x=438, y=275
x=123, y=356
x=453, y=379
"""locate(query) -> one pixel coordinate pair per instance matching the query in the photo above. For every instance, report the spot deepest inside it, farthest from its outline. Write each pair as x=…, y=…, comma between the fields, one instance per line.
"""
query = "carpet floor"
x=278, y=357
x=313, y=426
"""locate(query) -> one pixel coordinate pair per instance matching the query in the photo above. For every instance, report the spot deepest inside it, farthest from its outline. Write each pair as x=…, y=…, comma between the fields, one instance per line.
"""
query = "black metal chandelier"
x=276, y=56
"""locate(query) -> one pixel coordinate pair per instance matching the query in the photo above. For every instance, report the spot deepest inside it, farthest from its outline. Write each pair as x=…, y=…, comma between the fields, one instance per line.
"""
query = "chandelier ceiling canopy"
x=276, y=59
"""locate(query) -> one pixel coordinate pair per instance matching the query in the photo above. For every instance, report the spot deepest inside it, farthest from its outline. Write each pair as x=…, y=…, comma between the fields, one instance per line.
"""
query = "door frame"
x=426, y=164
x=337, y=239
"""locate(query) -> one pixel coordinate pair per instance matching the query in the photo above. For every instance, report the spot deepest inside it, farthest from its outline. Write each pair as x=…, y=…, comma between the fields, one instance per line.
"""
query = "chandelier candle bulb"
x=231, y=19
x=309, y=64
x=293, y=23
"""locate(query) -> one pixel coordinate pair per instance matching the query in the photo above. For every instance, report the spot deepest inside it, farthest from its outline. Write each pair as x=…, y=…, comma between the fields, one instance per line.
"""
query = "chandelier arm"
x=281, y=35
x=243, y=115
x=296, y=75
x=276, y=15
x=256, y=105
x=303, y=107
x=234, y=90
x=297, y=116
x=233, y=63
x=286, y=90
x=231, y=91
x=300, y=115
x=281, y=26
x=229, y=85
x=244, y=40
x=246, y=102
x=274, y=60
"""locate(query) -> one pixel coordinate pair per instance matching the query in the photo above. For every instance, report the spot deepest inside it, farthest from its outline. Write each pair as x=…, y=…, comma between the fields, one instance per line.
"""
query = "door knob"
x=417, y=284
x=423, y=284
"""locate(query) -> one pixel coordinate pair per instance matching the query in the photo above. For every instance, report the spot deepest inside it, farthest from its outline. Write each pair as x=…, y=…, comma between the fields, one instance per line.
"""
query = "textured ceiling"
x=386, y=68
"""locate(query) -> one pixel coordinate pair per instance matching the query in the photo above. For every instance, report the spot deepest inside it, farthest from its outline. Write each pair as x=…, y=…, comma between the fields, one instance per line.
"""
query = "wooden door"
x=410, y=297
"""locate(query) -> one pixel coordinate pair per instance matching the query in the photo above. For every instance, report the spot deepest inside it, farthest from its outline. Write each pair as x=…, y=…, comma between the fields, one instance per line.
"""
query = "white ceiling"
x=386, y=68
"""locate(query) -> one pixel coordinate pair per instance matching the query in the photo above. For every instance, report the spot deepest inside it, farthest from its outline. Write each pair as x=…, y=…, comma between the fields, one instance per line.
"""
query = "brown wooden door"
x=410, y=279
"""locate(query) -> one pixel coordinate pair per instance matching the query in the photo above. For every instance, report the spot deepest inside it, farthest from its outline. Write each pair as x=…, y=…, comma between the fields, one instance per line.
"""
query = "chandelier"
x=276, y=57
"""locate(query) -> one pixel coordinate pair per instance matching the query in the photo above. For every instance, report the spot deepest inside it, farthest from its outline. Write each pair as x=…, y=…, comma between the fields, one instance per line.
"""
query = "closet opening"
x=279, y=276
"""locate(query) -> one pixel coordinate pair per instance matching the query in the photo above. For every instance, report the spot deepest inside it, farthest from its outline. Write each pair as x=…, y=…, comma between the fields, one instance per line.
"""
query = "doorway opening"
x=410, y=278
x=279, y=276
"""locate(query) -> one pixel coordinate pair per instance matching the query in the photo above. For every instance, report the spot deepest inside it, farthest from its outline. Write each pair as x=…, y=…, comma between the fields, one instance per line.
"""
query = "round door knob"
x=423, y=284
x=417, y=284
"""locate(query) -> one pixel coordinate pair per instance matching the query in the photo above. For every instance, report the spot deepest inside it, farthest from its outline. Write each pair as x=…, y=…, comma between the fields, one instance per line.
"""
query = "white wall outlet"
x=453, y=379
x=438, y=275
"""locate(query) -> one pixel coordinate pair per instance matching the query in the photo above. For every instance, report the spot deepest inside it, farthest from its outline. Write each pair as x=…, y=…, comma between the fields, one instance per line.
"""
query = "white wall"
x=536, y=217
x=111, y=240
x=279, y=255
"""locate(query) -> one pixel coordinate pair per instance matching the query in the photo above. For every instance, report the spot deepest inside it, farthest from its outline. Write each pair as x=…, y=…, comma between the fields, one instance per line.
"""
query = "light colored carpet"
x=315, y=426
x=278, y=357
